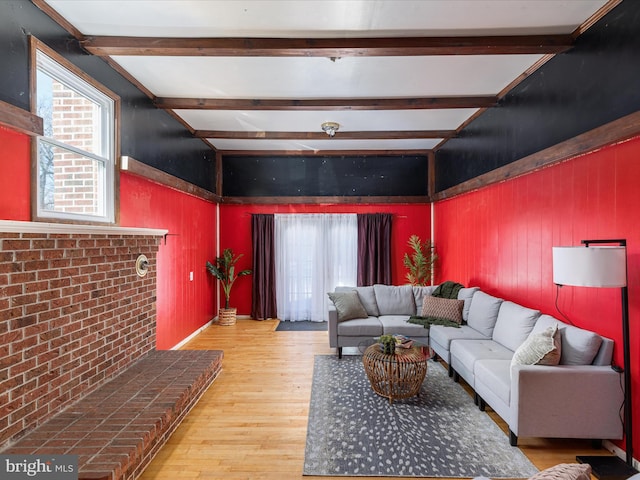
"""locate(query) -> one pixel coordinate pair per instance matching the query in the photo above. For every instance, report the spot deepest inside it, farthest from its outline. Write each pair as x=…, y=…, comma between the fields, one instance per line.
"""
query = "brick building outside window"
x=75, y=162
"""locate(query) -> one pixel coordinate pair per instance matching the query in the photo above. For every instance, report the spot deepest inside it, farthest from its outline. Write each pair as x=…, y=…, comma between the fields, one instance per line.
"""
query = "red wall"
x=183, y=305
x=500, y=239
x=235, y=232
x=15, y=180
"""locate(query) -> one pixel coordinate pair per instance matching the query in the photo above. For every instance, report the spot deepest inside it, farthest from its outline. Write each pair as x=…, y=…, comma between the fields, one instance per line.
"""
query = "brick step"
x=118, y=429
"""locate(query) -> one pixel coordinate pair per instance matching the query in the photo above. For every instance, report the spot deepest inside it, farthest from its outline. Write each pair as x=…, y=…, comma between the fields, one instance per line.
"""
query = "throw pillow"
x=348, y=305
x=565, y=471
x=539, y=349
x=447, y=308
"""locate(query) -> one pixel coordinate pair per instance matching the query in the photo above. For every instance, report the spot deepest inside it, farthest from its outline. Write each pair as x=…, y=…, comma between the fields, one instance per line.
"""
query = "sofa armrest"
x=566, y=401
x=332, y=326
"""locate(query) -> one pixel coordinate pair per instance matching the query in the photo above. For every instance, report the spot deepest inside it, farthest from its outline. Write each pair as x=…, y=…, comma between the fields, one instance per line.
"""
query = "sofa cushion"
x=445, y=335
x=565, y=471
x=495, y=375
x=397, y=324
x=395, y=300
x=360, y=327
x=467, y=352
x=483, y=312
x=348, y=305
x=466, y=294
x=446, y=308
x=419, y=293
x=368, y=299
x=514, y=324
x=539, y=348
x=579, y=346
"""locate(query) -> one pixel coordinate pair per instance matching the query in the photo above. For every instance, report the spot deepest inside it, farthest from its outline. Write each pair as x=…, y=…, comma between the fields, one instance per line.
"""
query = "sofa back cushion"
x=579, y=346
x=514, y=324
x=419, y=294
x=466, y=294
x=395, y=300
x=367, y=298
x=483, y=312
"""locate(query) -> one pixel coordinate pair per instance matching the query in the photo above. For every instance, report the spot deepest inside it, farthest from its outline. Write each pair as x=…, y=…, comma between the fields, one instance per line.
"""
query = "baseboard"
x=190, y=337
x=617, y=451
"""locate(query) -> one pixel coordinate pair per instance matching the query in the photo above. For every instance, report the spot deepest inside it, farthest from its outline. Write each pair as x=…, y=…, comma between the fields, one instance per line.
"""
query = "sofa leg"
x=596, y=443
x=450, y=371
x=456, y=376
x=481, y=404
x=513, y=439
x=476, y=398
x=339, y=352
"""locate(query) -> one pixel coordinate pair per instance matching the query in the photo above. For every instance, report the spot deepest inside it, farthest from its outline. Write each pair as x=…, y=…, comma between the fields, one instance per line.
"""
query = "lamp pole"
x=602, y=468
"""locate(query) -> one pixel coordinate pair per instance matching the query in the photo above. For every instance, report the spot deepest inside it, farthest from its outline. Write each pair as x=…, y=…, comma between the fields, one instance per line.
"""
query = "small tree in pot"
x=421, y=262
x=224, y=270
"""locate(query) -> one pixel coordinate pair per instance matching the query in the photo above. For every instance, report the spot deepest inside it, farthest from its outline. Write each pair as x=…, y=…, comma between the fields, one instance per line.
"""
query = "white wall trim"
x=608, y=445
x=11, y=226
x=192, y=336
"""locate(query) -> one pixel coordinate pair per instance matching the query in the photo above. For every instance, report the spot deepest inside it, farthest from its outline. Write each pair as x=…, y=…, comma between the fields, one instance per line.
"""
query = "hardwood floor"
x=251, y=423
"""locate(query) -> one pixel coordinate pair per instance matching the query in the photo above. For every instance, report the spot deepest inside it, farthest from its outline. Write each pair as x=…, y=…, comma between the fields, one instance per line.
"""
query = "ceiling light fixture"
x=330, y=128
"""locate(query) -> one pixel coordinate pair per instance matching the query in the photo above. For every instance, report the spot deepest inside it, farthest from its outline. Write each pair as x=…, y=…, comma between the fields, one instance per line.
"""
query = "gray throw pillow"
x=348, y=305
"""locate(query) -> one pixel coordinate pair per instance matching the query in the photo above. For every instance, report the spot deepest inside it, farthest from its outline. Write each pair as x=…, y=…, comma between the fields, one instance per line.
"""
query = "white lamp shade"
x=590, y=266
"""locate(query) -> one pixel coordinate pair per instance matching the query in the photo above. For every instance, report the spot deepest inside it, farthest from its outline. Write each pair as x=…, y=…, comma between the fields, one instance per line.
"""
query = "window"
x=75, y=164
x=314, y=254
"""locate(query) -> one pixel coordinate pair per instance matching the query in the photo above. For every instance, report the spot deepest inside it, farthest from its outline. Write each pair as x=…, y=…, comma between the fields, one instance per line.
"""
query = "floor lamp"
x=602, y=267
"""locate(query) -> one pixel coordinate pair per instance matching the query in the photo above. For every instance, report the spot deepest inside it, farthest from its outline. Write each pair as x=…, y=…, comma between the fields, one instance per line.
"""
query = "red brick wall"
x=76, y=122
x=73, y=313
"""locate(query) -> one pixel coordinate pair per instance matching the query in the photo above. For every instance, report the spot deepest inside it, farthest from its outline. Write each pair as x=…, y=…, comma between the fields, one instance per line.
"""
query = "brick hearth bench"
x=117, y=430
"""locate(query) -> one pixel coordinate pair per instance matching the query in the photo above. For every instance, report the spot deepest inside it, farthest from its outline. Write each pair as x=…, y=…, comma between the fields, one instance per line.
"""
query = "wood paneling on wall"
x=500, y=238
x=183, y=305
x=15, y=180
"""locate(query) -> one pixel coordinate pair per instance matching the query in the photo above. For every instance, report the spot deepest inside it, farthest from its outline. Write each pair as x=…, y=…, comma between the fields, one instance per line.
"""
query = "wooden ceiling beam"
x=335, y=104
x=327, y=47
x=368, y=135
x=321, y=153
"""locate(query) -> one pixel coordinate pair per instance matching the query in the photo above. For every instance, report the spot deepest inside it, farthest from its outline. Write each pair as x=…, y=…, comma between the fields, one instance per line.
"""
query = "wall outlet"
x=191, y=276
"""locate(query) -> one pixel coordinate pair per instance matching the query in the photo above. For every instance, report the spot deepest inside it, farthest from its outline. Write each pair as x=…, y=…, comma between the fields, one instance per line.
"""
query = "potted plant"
x=387, y=344
x=224, y=270
x=420, y=263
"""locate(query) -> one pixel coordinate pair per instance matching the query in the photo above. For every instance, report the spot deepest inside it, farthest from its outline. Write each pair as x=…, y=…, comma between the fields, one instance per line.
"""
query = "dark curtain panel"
x=374, y=249
x=263, y=305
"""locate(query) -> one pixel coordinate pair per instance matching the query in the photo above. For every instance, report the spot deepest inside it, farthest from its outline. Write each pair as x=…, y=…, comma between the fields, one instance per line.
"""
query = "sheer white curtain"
x=314, y=253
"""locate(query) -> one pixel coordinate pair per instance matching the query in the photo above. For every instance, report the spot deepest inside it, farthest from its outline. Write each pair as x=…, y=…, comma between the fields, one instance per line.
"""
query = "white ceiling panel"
x=325, y=145
x=309, y=121
x=324, y=18
x=255, y=77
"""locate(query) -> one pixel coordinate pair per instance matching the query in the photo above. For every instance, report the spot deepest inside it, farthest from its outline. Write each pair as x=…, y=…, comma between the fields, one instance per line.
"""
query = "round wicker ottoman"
x=397, y=375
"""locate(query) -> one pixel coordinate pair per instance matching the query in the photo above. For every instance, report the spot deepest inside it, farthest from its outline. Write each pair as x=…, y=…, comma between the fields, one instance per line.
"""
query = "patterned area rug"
x=354, y=432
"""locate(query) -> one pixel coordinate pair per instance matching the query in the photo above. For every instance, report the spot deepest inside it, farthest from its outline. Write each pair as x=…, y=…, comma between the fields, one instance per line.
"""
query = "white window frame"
x=49, y=62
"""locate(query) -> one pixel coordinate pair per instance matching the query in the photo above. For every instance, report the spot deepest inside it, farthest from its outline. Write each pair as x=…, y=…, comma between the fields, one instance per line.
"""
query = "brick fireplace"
x=73, y=313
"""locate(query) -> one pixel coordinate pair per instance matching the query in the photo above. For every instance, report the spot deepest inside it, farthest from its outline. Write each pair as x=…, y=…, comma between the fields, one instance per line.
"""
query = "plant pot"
x=227, y=316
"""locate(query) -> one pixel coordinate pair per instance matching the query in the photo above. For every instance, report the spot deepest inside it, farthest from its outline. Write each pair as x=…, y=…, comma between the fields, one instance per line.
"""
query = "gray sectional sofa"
x=387, y=310
x=578, y=396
